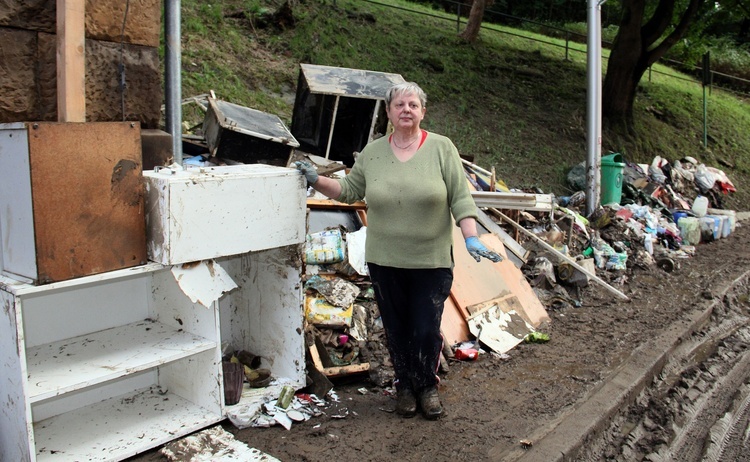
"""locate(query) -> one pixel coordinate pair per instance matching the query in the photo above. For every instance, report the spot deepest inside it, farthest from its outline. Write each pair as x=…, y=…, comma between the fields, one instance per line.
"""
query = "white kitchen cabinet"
x=106, y=366
x=211, y=212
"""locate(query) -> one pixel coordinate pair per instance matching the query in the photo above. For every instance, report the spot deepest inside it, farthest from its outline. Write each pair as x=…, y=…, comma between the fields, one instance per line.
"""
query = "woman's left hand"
x=478, y=250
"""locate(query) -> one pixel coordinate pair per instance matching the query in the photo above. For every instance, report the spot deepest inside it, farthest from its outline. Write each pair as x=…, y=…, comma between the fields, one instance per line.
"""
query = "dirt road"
x=555, y=395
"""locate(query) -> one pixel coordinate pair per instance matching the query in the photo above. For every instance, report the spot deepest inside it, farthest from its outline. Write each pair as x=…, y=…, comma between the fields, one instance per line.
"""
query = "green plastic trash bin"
x=612, y=168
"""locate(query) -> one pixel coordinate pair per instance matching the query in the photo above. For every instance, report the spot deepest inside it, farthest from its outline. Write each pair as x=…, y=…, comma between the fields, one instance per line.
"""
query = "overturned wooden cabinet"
x=337, y=110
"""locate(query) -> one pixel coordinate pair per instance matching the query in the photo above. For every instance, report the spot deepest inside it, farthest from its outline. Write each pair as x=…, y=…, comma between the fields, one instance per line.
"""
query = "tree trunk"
x=636, y=47
x=474, y=23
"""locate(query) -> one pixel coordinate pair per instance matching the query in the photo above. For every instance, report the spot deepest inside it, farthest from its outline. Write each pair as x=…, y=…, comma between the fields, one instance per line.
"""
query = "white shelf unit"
x=106, y=366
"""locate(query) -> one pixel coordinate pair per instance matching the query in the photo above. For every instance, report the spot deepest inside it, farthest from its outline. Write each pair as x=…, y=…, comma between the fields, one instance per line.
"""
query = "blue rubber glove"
x=477, y=250
x=307, y=169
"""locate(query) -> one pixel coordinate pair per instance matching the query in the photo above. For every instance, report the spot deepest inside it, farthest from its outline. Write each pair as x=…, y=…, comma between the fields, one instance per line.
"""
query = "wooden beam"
x=332, y=204
x=71, y=62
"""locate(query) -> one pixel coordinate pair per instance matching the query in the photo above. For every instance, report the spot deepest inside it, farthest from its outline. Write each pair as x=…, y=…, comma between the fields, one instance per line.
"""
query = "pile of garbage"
x=665, y=210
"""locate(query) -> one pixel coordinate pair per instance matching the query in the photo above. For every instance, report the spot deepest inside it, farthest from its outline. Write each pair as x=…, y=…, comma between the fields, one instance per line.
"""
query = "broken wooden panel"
x=475, y=282
x=337, y=111
x=77, y=189
x=498, y=323
x=247, y=135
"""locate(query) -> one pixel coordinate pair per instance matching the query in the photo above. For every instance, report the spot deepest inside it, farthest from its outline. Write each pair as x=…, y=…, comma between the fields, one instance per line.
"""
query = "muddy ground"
x=495, y=403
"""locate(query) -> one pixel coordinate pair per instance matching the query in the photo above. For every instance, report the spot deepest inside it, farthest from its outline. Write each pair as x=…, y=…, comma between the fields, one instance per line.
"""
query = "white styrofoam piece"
x=80, y=362
x=210, y=212
x=203, y=283
x=16, y=224
x=119, y=427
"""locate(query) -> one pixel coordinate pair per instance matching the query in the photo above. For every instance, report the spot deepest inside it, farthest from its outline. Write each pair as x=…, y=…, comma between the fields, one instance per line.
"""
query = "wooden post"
x=71, y=63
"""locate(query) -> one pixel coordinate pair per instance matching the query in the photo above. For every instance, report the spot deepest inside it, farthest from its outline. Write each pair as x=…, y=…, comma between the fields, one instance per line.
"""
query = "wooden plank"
x=71, y=61
x=475, y=282
x=453, y=324
x=333, y=204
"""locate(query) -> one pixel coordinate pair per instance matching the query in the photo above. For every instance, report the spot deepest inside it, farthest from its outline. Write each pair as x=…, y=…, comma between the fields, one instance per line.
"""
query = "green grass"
x=506, y=100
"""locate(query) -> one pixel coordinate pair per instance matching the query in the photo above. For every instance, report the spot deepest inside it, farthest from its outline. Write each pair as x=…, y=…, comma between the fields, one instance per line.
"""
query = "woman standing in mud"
x=415, y=189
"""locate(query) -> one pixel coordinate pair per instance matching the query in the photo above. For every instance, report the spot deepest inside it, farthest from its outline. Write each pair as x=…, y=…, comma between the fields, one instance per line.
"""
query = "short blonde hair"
x=406, y=87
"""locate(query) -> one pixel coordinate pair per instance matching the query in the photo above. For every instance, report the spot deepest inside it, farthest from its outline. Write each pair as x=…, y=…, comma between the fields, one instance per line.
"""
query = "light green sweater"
x=409, y=204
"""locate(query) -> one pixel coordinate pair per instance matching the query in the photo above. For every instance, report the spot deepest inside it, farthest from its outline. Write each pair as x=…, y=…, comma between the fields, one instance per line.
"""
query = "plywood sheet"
x=87, y=193
x=476, y=282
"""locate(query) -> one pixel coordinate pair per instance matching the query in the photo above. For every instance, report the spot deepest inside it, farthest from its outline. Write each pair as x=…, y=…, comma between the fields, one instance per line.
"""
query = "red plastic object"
x=466, y=354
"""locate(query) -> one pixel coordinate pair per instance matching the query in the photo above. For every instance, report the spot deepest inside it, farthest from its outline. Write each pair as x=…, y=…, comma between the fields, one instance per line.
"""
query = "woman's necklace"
x=404, y=147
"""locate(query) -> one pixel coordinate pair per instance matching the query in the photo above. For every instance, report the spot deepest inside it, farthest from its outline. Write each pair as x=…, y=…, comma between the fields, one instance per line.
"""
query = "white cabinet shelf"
x=118, y=427
x=69, y=365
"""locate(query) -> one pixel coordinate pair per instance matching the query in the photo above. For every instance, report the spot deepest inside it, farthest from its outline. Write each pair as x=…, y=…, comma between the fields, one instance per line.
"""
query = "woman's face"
x=405, y=111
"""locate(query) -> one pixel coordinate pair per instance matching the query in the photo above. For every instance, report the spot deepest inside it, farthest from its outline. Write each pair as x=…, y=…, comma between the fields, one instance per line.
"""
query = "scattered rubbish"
x=526, y=444
x=324, y=247
x=285, y=397
x=466, y=354
x=233, y=379
x=536, y=337
x=337, y=291
x=319, y=311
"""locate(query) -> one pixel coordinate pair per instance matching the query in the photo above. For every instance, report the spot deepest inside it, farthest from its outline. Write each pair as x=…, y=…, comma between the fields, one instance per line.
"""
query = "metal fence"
x=569, y=42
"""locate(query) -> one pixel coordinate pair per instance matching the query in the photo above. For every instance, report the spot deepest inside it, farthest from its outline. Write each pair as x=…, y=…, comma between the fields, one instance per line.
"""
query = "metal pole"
x=594, y=107
x=172, y=78
x=705, y=118
x=458, y=18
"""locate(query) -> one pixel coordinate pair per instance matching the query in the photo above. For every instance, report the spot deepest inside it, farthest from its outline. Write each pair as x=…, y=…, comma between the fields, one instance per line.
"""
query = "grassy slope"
x=508, y=101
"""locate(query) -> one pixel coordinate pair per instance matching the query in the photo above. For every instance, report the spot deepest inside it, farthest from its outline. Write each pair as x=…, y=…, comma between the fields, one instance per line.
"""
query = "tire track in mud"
x=698, y=407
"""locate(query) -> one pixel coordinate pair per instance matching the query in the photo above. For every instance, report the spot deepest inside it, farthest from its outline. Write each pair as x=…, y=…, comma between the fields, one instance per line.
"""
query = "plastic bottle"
x=700, y=206
x=648, y=243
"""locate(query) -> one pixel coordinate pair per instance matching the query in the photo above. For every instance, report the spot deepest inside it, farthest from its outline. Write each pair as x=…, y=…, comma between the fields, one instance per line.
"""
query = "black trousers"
x=411, y=305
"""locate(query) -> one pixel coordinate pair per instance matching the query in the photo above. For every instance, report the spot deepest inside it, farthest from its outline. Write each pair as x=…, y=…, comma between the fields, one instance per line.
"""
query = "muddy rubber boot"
x=406, y=403
x=429, y=401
